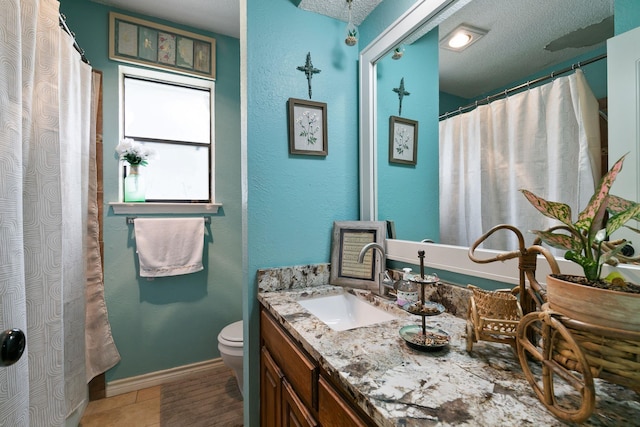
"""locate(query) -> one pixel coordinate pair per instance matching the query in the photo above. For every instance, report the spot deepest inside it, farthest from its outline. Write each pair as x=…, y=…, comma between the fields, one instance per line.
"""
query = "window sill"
x=164, y=208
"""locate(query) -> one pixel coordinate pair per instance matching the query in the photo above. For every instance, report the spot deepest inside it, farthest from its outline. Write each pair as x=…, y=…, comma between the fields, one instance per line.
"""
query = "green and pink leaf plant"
x=583, y=240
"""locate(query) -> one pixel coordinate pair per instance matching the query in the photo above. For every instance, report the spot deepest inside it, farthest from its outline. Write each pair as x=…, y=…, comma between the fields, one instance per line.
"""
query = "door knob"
x=12, y=343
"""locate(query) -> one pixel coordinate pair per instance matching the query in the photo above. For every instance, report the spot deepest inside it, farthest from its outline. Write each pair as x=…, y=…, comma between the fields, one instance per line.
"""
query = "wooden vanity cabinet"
x=288, y=379
x=294, y=413
x=270, y=390
x=293, y=392
x=335, y=411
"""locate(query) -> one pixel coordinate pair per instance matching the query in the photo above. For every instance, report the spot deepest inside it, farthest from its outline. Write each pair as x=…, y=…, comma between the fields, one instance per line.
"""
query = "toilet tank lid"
x=232, y=332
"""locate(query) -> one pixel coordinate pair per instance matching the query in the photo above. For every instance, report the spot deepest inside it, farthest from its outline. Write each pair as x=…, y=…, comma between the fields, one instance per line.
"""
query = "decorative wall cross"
x=401, y=94
x=309, y=71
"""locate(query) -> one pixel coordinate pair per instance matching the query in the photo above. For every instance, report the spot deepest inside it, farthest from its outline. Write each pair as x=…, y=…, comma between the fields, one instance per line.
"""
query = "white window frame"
x=121, y=207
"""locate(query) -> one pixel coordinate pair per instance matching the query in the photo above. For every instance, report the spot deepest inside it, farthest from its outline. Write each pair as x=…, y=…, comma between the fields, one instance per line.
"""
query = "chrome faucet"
x=384, y=281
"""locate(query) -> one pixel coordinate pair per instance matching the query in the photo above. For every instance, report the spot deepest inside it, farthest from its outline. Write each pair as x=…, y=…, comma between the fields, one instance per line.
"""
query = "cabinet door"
x=300, y=371
x=270, y=391
x=333, y=410
x=294, y=413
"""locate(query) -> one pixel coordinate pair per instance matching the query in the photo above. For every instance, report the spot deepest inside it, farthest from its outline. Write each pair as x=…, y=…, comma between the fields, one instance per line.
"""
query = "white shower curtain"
x=545, y=139
x=45, y=98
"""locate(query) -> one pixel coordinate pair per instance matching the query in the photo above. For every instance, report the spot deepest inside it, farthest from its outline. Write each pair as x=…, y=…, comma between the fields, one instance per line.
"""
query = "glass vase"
x=134, y=185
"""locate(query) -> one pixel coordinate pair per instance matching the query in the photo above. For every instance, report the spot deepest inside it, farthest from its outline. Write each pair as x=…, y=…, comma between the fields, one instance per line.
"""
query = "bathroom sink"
x=345, y=311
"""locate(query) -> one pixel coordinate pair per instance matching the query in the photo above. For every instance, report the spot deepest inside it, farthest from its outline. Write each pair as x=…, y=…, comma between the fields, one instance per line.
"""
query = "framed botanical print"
x=403, y=140
x=307, y=127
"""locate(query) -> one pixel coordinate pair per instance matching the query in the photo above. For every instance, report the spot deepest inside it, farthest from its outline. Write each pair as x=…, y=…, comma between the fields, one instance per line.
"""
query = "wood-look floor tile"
x=111, y=402
x=141, y=414
x=204, y=400
x=148, y=393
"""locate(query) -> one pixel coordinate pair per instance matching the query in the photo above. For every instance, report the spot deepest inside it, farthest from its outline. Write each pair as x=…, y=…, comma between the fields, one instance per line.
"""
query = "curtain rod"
x=529, y=83
x=62, y=20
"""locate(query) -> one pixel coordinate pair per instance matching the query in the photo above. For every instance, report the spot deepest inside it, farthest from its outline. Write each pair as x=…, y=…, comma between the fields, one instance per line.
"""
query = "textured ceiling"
x=514, y=46
x=223, y=16
x=339, y=9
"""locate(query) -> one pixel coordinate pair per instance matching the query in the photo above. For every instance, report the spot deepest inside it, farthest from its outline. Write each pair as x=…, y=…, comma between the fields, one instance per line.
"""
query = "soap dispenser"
x=407, y=291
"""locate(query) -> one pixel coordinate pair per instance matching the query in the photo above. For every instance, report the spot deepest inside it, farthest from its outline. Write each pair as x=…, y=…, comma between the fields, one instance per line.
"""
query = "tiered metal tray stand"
x=423, y=337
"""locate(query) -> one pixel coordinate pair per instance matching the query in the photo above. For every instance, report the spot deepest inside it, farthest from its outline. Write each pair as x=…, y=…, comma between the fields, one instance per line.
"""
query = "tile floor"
x=205, y=399
x=134, y=409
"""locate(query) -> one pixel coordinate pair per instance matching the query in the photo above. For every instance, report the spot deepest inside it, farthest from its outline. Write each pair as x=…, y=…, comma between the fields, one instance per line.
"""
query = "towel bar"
x=207, y=219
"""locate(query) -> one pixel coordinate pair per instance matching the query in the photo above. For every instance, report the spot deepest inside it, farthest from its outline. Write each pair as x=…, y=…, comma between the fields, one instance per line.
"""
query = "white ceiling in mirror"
x=514, y=45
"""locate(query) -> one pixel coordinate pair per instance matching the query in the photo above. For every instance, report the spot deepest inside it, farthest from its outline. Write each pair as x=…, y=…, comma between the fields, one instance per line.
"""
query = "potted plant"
x=612, y=302
x=352, y=37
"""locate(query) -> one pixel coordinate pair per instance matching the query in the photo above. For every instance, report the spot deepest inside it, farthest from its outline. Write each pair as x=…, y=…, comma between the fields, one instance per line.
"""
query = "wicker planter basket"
x=613, y=359
x=601, y=307
x=575, y=352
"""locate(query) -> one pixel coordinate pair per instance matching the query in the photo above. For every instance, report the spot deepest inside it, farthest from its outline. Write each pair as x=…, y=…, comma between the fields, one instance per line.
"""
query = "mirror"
x=392, y=192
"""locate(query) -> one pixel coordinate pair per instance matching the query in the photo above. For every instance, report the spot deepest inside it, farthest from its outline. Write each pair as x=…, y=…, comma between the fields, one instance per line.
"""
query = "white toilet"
x=230, y=345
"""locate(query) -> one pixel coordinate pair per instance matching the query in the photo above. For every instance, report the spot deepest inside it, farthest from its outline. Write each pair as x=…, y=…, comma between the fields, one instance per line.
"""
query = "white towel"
x=169, y=246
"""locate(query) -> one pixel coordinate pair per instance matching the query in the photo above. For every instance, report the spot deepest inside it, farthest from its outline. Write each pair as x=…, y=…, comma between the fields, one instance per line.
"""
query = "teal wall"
x=450, y=102
x=400, y=185
x=293, y=199
x=627, y=15
x=174, y=321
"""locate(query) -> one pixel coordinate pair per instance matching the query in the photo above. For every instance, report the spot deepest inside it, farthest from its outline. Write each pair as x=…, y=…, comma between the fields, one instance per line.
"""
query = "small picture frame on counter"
x=403, y=140
x=349, y=237
x=307, y=127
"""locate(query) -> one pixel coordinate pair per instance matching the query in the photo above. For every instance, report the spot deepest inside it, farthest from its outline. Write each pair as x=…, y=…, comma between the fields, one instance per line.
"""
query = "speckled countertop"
x=399, y=386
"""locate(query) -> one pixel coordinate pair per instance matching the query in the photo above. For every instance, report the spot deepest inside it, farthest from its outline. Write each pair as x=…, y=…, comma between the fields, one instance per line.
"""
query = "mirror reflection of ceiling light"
x=461, y=37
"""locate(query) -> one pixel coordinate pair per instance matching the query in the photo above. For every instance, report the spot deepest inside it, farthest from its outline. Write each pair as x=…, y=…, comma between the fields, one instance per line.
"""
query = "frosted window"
x=173, y=116
x=165, y=111
x=177, y=172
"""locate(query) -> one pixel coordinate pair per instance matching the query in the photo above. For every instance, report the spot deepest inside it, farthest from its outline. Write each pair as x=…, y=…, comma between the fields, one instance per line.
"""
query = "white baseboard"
x=152, y=379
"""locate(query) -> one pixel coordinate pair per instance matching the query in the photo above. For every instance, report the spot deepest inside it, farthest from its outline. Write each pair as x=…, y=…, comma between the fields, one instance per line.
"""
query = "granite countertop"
x=399, y=386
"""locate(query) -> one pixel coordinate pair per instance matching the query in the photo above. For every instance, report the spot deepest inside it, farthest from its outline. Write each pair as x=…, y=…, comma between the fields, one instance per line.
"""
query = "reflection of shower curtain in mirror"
x=545, y=139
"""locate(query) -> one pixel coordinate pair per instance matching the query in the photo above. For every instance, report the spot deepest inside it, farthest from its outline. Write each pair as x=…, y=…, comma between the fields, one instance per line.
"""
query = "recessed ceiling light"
x=462, y=37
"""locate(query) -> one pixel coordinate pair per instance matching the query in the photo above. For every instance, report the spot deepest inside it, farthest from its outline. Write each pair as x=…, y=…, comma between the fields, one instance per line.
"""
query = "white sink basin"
x=345, y=311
